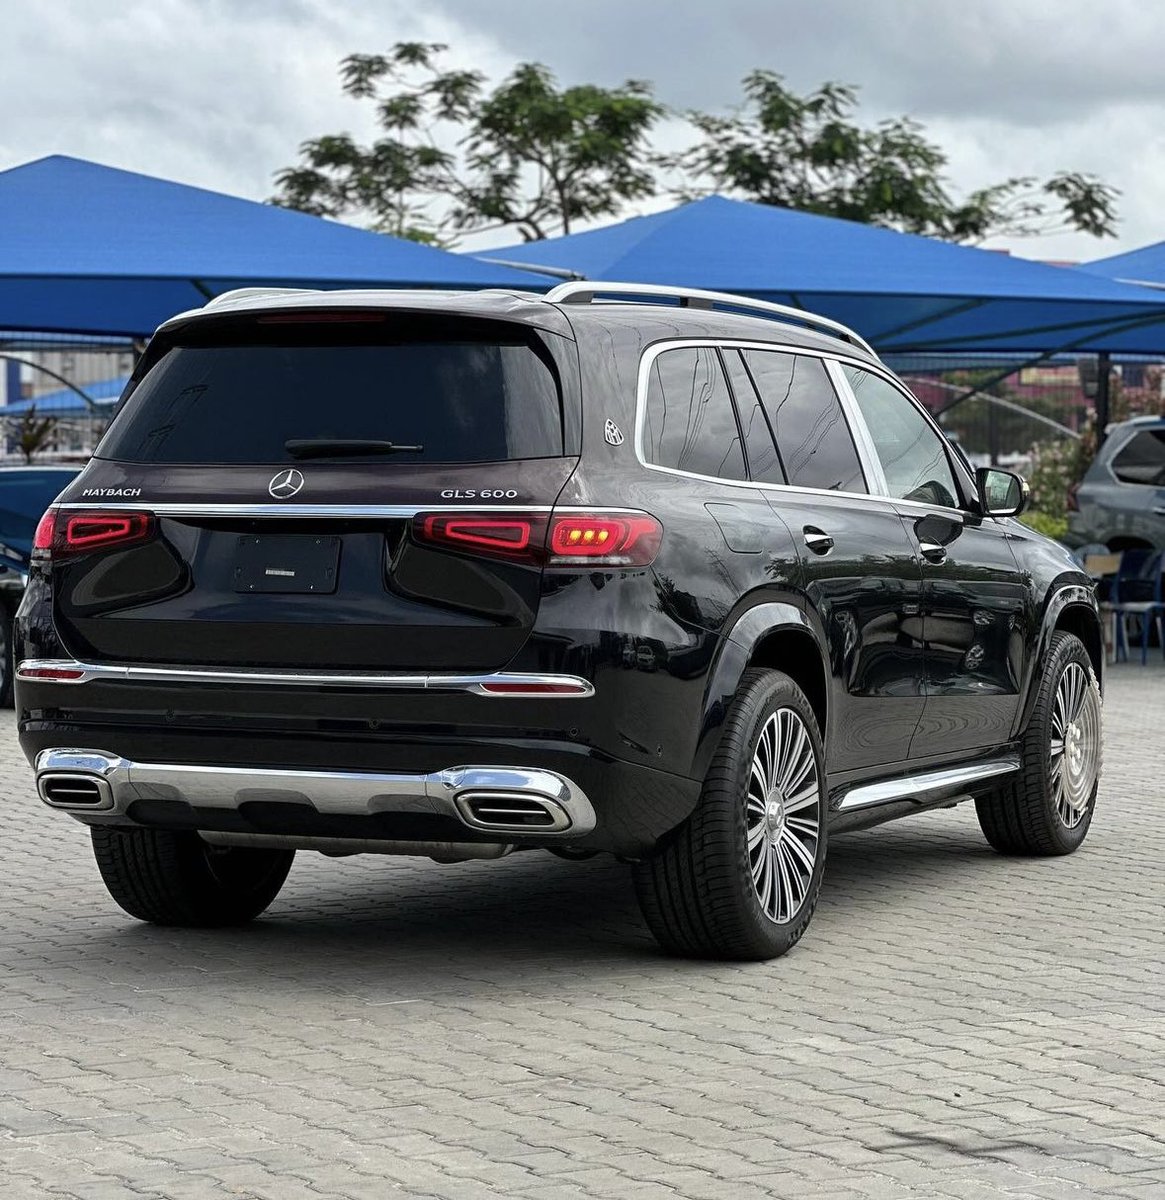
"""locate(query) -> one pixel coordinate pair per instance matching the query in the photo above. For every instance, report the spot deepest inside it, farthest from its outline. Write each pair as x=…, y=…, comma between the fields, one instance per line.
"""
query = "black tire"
x=1047, y=810
x=173, y=877
x=697, y=891
x=7, y=668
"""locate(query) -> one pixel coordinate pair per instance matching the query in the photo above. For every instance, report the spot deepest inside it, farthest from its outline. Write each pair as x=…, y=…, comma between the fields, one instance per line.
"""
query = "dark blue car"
x=25, y=493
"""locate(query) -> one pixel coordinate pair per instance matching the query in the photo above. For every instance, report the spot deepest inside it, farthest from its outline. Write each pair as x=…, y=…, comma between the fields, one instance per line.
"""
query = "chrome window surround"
x=871, y=466
x=386, y=681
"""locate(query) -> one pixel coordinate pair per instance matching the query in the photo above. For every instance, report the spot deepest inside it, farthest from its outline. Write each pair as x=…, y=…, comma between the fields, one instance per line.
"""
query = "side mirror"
x=1001, y=493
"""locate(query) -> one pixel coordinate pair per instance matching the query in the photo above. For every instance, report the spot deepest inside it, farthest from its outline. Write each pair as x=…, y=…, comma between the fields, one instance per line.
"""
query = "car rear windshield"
x=241, y=399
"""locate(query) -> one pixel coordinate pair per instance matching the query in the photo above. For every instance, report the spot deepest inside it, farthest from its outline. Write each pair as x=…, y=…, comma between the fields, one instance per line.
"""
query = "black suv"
x=685, y=578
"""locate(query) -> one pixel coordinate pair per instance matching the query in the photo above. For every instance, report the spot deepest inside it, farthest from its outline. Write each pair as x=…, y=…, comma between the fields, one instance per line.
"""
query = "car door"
x=861, y=574
x=1137, y=498
x=973, y=592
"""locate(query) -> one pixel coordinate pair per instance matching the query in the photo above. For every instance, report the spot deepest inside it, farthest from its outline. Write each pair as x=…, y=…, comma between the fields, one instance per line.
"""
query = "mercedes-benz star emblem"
x=286, y=484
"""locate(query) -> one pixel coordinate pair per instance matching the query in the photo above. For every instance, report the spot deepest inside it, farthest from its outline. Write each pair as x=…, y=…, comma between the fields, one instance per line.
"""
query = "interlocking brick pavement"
x=955, y=1024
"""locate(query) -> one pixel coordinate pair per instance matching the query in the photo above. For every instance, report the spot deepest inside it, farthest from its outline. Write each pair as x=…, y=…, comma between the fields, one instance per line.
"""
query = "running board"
x=927, y=787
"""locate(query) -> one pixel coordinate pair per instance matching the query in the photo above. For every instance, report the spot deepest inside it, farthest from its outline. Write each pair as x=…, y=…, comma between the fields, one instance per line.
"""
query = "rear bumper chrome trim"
x=926, y=786
x=498, y=685
x=448, y=792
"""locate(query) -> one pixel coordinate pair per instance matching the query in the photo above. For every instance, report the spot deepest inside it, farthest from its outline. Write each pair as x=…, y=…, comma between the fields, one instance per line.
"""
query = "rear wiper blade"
x=344, y=447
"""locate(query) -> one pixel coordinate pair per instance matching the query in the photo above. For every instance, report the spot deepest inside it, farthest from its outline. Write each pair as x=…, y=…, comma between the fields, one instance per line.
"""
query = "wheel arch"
x=778, y=636
x=1071, y=609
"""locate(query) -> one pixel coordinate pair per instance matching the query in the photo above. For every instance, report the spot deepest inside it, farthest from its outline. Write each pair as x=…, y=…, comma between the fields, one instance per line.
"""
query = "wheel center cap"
x=775, y=814
x=1073, y=739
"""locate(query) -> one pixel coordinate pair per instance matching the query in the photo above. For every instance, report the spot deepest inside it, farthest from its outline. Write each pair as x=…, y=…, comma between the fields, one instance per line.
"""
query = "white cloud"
x=221, y=92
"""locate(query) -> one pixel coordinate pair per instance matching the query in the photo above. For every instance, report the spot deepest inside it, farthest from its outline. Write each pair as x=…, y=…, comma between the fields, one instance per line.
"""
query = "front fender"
x=733, y=655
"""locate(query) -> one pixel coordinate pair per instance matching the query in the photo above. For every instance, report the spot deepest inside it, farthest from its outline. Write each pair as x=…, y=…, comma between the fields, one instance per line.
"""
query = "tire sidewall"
x=769, y=693
x=1065, y=650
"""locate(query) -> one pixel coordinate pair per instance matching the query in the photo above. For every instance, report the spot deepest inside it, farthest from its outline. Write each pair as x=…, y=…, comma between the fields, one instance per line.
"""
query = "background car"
x=25, y=493
x=1121, y=501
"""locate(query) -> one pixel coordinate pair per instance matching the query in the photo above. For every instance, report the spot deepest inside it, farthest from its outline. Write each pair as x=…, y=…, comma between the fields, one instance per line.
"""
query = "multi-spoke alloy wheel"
x=740, y=878
x=1046, y=808
x=783, y=815
x=1074, y=750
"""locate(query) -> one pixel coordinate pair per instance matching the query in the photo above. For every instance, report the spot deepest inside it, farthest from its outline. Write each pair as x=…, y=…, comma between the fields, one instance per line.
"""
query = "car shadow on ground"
x=368, y=924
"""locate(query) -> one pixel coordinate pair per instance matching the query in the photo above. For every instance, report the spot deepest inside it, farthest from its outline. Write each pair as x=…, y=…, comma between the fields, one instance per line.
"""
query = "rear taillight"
x=590, y=539
x=517, y=536
x=1073, y=499
x=61, y=532
x=42, y=540
x=618, y=539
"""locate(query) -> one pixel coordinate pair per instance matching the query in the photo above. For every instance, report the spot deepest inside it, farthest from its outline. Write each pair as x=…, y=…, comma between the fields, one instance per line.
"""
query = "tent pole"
x=1103, y=378
x=999, y=377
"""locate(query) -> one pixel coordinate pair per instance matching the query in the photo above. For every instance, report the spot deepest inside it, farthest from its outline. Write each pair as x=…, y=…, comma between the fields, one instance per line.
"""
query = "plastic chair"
x=1136, y=592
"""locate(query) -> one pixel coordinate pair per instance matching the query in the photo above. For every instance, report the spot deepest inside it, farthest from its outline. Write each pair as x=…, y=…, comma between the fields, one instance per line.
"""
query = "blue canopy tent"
x=902, y=292
x=1145, y=266
x=86, y=248
x=66, y=402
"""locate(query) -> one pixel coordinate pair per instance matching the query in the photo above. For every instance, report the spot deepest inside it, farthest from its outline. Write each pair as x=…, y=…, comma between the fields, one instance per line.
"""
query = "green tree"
x=34, y=434
x=810, y=152
x=455, y=156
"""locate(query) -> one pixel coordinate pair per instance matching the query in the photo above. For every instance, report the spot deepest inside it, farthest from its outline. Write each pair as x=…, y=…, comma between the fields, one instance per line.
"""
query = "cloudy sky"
x=221, y=92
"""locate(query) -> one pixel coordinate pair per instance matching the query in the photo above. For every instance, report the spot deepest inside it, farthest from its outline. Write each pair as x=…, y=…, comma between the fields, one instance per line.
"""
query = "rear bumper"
x=352, y=759
x=103, y=788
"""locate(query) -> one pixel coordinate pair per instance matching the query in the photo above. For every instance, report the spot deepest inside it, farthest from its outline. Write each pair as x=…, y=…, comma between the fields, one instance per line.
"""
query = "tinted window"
x=1143, y=459
x=812, y=435
x=689, y=421
x=763, y=461
x=912, y=454
x=462, y=401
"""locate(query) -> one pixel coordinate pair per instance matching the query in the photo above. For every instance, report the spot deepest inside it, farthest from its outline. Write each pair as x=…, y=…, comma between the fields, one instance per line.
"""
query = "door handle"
x=933, y=552
x=817, y=540
x=1159, y=511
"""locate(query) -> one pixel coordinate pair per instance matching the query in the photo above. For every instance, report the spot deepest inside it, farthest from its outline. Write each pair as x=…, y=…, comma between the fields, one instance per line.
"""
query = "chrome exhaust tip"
x=512, y=812
x=74, y=791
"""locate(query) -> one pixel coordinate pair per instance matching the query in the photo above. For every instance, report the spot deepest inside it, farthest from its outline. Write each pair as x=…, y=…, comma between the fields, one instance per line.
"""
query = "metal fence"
x=69, y=380
x=1000, y=410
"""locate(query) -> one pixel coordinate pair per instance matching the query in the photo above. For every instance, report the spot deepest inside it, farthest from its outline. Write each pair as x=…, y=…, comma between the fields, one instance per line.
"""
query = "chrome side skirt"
x=930, y=785
x=497, y=684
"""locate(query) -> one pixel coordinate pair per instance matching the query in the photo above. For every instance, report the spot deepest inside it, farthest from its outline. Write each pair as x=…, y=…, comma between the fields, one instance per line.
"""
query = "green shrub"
x=1053, y=526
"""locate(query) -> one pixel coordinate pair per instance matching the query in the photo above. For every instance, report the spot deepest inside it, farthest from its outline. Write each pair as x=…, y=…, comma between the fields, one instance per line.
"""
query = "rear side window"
x=689, y=422
x=1143, y=459
x=764, y=464
x=806, y=416
x=471, y=400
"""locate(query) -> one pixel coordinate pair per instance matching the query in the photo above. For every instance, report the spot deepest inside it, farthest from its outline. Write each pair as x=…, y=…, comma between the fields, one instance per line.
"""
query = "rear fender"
x=736, y=652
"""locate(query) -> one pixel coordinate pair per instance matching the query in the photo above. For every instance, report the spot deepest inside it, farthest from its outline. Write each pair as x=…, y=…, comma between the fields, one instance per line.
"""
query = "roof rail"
x=584, y=291
x=223, y=299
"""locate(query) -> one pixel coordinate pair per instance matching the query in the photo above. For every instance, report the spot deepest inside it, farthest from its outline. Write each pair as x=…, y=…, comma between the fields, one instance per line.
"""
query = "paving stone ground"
x=955, y=1024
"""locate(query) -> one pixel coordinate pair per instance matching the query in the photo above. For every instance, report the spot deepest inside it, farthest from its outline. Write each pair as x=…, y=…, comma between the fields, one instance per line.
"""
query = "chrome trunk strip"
x=475, y=684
